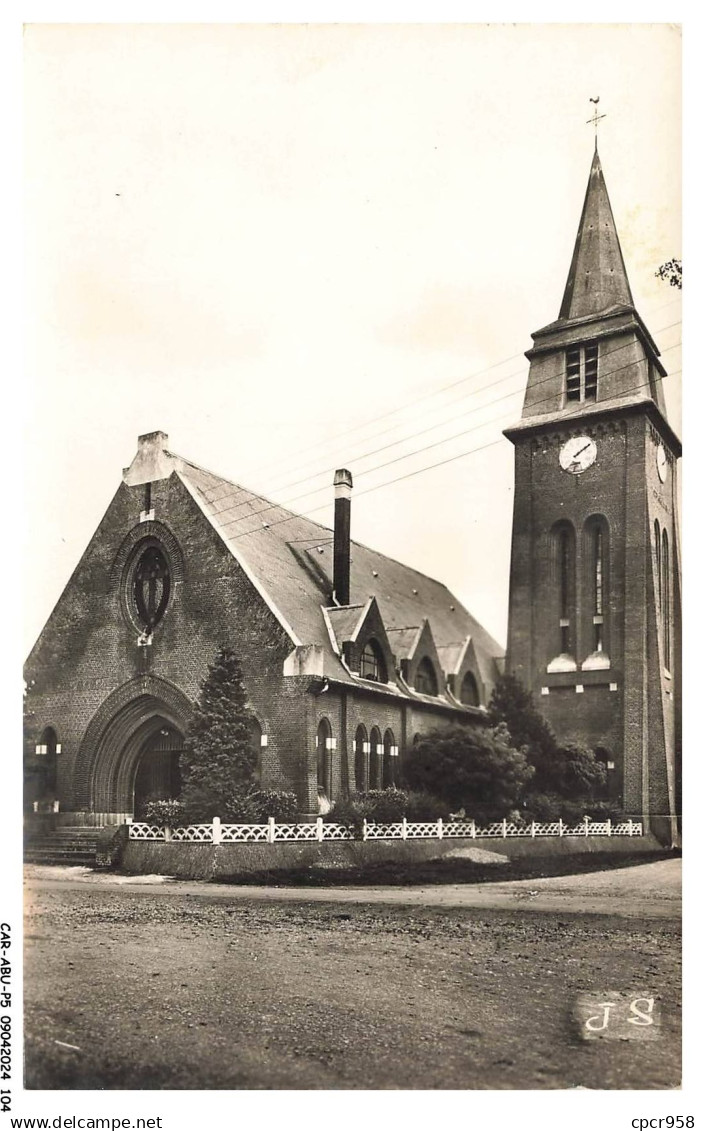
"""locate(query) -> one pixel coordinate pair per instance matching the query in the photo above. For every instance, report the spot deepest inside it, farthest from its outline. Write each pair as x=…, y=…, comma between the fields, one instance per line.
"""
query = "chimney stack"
x=153, y=460
x=342, y=484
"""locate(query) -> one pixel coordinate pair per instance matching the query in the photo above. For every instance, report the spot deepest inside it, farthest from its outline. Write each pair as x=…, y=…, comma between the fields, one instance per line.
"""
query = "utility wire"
x=418, y=400
x=419, y=471
x=440, y=424
x=408, y=455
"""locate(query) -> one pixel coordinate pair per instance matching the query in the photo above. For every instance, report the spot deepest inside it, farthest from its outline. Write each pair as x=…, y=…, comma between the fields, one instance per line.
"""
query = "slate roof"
x=289, y=558
x=597, y=279
x=344, y=621
x=403, y=640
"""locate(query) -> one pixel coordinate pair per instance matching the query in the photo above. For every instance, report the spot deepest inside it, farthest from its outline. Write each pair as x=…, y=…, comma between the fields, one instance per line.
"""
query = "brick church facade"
x=348, y=655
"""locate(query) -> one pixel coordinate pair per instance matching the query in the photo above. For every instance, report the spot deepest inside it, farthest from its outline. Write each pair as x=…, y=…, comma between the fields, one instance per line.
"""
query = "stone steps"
x=74, y=846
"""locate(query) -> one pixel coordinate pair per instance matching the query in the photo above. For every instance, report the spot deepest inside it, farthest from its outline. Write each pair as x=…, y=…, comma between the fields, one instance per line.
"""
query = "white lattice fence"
x=232, y=834
x=194, y=834
x=298, y=832
x=217, y=833
x=141, y=831
x=374, y=831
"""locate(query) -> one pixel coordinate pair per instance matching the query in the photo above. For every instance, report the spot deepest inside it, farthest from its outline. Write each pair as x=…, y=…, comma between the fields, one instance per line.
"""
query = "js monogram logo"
x=618, y=1016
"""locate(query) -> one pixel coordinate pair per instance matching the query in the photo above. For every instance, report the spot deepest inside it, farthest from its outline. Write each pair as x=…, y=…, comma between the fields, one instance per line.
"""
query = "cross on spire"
x=595, y=117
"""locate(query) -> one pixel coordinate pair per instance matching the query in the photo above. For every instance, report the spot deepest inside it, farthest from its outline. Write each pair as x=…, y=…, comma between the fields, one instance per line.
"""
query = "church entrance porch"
x=129, y=753
x=158, y=775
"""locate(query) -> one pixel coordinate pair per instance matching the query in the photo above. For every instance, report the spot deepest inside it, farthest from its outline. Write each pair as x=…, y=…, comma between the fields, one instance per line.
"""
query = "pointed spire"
x=598, y=278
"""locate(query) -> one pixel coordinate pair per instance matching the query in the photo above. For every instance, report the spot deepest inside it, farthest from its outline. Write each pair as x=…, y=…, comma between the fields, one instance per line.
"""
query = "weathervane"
x=596, y=117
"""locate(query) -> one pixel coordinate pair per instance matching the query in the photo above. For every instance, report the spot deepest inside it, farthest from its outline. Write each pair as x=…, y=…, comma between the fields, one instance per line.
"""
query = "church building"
x=347, y=654
x=595, y=596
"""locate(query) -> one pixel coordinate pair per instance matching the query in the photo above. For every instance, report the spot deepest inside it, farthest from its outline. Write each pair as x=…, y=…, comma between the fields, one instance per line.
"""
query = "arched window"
x=151, y=586
x=324, y=747
x=48, y=747
x=256, y=745
x=388, y=760
x=598, y=587
x=468, y=691
x=666, y=590
x=361, y=759
x=561, y=598
x=659, y=579
x=372, y=665
x=566, y=586
x=376, y=751
x=425, y=680
x=595, y=589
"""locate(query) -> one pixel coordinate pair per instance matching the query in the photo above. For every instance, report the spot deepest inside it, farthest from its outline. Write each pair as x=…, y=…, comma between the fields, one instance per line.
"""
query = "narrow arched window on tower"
x=666, y=601
x=657, y=545
x=595, y=576
x=560, y=597
x=564, y=564
x=598, y=565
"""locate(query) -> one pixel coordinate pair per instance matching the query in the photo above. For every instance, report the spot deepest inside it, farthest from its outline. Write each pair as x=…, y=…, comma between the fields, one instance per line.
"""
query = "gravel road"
x=173, y=986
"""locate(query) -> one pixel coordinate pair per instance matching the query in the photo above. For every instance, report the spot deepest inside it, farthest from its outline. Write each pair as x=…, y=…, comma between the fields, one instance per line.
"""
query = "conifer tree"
x=512, y=704
x=564, y=768
x=218, y=763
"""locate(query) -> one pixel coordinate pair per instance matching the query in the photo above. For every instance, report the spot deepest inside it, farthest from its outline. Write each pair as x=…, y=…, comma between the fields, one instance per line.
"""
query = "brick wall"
x=87, y=669
x=629, y=709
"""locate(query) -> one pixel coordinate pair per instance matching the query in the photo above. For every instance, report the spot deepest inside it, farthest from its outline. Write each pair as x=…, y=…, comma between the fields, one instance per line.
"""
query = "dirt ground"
x=181, y=986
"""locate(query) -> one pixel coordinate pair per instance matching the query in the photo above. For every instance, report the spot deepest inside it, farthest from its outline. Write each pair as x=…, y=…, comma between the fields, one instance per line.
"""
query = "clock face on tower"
x=661, y=463
x=577, y=454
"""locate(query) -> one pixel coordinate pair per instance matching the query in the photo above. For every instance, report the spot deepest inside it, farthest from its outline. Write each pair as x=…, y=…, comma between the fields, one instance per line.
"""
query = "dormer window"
x=468, y=691
x=581, y=373
x=372, y=665
x=426, y=681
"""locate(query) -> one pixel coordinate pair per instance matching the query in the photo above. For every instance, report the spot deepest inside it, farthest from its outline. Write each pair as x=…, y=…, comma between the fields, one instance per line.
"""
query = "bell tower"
x=595, y=597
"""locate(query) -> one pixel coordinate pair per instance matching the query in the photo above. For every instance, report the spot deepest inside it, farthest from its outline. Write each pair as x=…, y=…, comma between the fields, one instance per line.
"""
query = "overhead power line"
x=416, y=471
x=410, y=404
x=270, y=505
x=441, y=423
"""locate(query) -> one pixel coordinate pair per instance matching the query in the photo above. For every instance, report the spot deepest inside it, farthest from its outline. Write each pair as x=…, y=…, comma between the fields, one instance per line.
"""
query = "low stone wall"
x=212, y=862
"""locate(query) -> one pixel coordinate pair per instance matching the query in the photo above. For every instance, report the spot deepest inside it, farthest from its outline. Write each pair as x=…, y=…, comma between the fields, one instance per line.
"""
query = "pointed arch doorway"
x=157, y=773
x=131, y=750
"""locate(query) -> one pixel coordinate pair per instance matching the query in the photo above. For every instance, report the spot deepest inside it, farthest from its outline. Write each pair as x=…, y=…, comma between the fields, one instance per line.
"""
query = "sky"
x=301, y=247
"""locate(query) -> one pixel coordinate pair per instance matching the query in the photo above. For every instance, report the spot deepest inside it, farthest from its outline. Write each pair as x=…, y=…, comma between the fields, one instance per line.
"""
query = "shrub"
x=424, y=806
x=245, y=806
x=579, y=774
x=162, y=813
x=387, y=805
x=276, y=803
x=551, y=806
x=351, y=811
x=470, y=767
